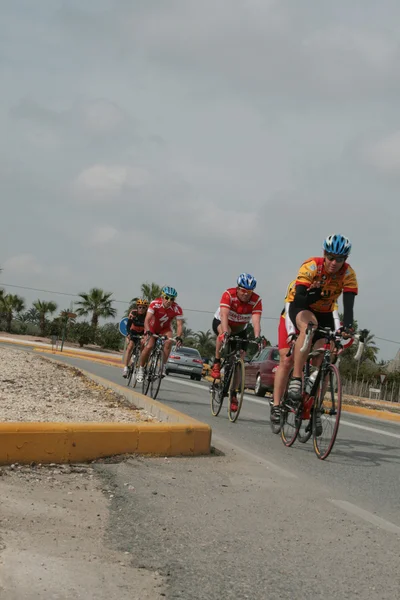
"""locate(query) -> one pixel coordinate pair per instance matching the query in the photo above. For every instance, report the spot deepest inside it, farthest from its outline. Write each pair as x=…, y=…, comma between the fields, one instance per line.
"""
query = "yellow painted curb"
x=177, y=435
x=93, y=358
x=371, y=412
x=77, y=442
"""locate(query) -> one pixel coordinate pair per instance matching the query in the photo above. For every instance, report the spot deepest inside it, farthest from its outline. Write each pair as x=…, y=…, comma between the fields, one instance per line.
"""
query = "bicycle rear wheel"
x=157, y=372
x=135, y=367
x=290, y=419
x=326, y=414
x=148, y=373
x=216, y=397
x=236, y=385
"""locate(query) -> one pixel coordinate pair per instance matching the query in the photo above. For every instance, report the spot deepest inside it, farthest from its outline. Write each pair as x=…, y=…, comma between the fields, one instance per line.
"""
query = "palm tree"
x=371, y=350
x=132, y=305
x=43, y=308
x=10, y=303
x=205, y=342
x=98, y=303
x=150, y=291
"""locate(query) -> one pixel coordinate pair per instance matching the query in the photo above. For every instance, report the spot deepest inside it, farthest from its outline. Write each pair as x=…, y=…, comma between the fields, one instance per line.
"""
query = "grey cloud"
x=252, y=121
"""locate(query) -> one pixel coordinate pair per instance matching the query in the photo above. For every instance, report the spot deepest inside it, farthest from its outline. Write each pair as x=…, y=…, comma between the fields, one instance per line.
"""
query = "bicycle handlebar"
x=311, y=329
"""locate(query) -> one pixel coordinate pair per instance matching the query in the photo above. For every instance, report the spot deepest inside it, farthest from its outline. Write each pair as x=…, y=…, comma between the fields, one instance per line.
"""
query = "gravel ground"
x=35, y=389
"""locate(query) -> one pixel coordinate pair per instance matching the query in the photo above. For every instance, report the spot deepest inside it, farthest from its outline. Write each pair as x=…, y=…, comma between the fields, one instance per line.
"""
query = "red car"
x=260, y=371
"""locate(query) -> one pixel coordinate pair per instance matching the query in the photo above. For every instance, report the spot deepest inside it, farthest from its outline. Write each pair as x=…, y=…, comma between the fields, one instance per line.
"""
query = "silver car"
x=186, y=361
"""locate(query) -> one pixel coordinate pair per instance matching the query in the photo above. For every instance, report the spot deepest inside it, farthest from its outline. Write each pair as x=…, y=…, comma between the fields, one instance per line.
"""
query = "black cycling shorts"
x=242, y=333
x=134, y=336
x=324, y=319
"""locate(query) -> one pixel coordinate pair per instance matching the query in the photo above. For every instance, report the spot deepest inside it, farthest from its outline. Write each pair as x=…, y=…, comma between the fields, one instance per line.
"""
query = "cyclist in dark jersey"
x=135, y=328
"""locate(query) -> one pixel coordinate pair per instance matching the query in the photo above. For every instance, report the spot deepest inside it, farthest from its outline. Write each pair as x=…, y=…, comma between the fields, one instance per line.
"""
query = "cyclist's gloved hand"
x=260, y=342
x=179, y=341
x=223, y=336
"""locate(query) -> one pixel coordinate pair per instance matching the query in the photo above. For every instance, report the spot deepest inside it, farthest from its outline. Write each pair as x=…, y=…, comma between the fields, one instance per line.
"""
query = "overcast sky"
x=186, y=141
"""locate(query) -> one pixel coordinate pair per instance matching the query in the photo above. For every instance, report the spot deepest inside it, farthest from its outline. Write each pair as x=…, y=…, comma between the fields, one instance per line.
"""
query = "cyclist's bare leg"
x=219, y=343
x=167, y=346
x=129, y=352
x=147, y=348
x=282, y=375
x=302, y=320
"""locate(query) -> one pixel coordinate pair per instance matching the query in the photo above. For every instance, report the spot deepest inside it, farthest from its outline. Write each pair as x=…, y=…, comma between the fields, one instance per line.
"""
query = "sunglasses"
x=332, y=257
x=169, y=298
x=141, y=307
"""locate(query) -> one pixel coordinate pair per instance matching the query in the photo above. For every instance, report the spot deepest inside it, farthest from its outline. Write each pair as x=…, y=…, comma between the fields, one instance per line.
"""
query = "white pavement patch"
x=266, y=403
x=367, y=516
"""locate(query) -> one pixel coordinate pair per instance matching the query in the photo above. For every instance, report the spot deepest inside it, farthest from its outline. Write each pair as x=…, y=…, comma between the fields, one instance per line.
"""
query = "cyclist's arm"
x=179, y=327
x=290, y=328
x=256, y=319
x=147, y=321
x=348, y=308
x=306, y=295
x=224, y=314
x=336, y=319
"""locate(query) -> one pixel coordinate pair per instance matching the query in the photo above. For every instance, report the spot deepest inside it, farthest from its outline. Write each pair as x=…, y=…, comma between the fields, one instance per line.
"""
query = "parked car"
x=260, y=371
x=186, y=361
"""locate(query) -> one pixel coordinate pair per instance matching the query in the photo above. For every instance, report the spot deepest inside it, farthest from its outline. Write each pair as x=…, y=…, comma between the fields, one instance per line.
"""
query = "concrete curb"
x=177, y=435
x=93, y=358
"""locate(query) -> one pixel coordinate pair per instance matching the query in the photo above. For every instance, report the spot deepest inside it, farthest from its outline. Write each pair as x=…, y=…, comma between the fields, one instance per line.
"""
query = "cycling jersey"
x=136, y=321
x=161, y=319
x=240, y=313
x=332, y=285
x=286, y=326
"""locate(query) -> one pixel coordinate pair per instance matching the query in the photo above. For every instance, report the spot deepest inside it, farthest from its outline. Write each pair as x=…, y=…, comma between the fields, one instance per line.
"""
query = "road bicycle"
x=232, y=377
x=318, y=414
x=133, y=367
x=153, y=370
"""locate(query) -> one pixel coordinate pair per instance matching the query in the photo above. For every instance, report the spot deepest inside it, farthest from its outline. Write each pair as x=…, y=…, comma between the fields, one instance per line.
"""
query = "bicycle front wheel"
x=135, y=368
x=236, y=385
x=290, y=419
x=148, y=373
x=326, y=413
x=216, y=397
x=156, y=377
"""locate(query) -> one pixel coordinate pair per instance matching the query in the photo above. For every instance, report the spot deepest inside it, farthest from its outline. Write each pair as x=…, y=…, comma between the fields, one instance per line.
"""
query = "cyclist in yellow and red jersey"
x=238, y=306
x=286, y=332
x=319, y=283
x=135, y=328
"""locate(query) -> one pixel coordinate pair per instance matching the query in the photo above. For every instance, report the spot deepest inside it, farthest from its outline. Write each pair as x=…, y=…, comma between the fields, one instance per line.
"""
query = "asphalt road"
x=261, y=521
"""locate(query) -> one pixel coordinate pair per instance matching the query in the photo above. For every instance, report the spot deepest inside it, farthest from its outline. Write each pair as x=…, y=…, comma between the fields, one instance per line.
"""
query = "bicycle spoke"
x=237, y=386
x=156, y=374
x=290, y=419
x=326, y=417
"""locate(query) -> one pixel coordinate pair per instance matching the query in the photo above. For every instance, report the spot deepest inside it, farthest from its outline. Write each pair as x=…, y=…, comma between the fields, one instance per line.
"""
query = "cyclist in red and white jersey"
x=238, y=306
x=159, y=317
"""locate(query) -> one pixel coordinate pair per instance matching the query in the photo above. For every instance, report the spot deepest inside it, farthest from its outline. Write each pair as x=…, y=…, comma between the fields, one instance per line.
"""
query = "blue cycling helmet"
x=337, y=244
x=169, y=292
x=247, y=281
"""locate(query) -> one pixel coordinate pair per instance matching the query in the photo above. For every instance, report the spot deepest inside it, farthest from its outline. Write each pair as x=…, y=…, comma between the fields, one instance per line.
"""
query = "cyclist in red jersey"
x=238, y=306
x=160, y=314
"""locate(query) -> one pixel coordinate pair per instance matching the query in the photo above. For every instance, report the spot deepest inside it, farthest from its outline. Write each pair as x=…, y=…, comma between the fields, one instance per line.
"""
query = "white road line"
x=373, y=429
x=266, y=404
x=367, y=516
